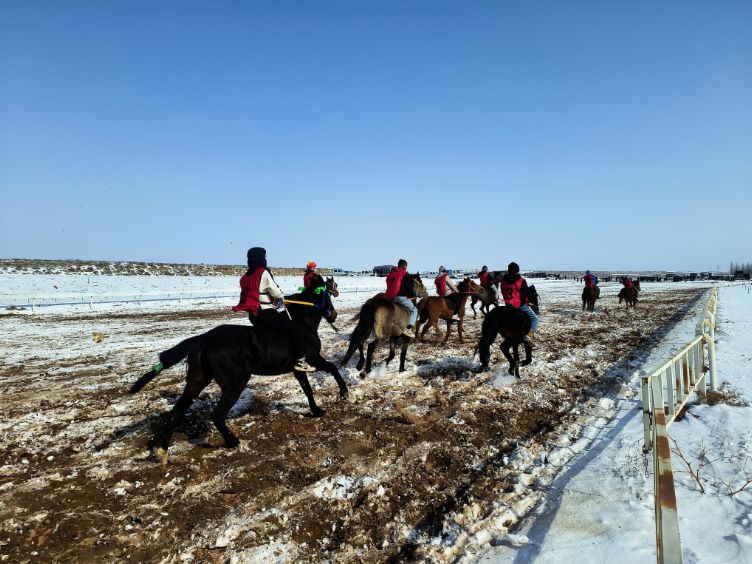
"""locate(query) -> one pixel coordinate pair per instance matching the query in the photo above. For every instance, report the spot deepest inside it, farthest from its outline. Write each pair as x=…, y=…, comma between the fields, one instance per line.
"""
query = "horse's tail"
x=366, y=319
x=489, y=330
x=423, y=310
x=167, y=359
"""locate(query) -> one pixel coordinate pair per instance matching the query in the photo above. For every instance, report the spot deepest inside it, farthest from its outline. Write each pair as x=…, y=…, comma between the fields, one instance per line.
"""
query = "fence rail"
x=36, y=300
x=665, y=391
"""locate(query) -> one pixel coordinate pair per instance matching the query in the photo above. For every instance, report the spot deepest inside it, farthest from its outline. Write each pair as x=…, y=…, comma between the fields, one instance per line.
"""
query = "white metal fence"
x=665, y=391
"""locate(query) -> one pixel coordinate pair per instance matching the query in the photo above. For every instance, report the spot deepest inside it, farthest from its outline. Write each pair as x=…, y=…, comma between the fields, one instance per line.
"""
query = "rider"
x=589, y=279
x=627, y=281
x=444, y=285
x=487, y=281
x=258, y=291
x=515, y=291
x=399, y=289
x=310, y=273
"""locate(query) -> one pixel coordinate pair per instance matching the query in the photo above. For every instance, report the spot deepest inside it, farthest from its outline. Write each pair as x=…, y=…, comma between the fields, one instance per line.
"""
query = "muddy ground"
x=418, y=465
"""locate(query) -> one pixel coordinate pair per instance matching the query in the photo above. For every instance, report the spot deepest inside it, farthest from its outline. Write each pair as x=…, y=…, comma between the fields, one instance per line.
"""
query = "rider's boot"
x=408, y=332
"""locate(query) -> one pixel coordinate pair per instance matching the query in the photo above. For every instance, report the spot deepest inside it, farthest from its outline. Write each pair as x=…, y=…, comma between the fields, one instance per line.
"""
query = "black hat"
x=484, y=268
x=513, y=268
x=256, y=252
x=402, y=263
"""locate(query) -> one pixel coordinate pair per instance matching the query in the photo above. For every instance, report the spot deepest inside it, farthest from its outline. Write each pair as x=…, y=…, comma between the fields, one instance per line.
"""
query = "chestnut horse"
x=486, y=296
x=629, y=295
x=388, y=321
x=434, y=308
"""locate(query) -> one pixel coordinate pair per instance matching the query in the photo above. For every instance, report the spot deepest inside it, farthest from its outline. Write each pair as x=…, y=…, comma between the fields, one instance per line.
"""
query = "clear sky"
x=561, y=135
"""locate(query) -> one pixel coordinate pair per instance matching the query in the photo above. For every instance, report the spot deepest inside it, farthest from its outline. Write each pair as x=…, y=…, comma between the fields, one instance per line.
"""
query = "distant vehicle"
x=382, y=270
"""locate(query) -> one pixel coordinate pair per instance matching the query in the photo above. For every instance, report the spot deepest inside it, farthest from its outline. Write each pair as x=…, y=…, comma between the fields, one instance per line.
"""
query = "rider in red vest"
x=399, y=289
x=627, y=281
x=589, y=280
x=514, y=289
x=258, y=292
x=310, y=273
x=444, y=286
x=487, y=281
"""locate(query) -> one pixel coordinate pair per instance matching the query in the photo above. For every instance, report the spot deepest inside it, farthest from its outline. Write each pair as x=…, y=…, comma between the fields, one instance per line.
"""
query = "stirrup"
x=302, y=366
x=408, y=332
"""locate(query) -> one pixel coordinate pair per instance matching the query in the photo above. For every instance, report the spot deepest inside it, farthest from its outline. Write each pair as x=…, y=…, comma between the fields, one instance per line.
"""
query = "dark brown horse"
x=513, y=325
x=433, y=308
x=590, y=295
x=229, y=354
x=629, y=295
x=388, y=321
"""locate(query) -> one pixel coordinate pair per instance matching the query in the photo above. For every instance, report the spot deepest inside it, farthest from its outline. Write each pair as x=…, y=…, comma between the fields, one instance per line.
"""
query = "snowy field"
x=441, y=462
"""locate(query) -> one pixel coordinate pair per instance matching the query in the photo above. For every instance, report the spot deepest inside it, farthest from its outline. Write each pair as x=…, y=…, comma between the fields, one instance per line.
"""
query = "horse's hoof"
x=344, y=394
x=362, y=374
x=511, y=370
x=160, y=455
x=232, y=442
x=526, y=362
x=318, y=413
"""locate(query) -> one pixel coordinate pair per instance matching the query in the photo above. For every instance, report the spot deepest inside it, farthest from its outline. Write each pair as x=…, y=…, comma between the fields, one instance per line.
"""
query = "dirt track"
x=410, y=467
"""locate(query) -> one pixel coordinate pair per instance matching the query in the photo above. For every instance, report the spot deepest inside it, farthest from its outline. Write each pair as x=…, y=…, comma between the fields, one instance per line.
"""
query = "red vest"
x=307, y=277
x=511, y=292
x=628, y=283
x=588, y=280
x=484, y=278
x=440, y=282
x=249, y=292
x=393, y=282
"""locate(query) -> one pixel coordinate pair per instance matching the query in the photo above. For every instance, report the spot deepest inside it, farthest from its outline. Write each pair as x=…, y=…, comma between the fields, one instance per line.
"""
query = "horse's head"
x=318, y=294
x=533, y=299
x=331, y=287
x=418, y=287
x=467, y=286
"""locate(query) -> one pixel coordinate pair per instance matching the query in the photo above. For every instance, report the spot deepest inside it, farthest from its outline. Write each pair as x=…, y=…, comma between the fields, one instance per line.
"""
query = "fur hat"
x=402, y=263
x=256, y=257
x=513, y=268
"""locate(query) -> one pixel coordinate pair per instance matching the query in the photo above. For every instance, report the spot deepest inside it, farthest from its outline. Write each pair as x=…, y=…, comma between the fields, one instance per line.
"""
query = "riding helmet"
x=311, y=264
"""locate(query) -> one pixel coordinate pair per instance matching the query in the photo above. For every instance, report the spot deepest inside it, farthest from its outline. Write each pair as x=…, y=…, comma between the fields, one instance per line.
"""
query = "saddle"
x=452, y=302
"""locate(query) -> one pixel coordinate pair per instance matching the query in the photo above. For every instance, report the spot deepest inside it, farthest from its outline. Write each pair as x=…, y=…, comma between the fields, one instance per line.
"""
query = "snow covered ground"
x=600, y=506
x=440, y=462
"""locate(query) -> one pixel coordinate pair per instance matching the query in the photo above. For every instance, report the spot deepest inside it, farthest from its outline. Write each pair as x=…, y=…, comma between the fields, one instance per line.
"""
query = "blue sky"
x=561, y=135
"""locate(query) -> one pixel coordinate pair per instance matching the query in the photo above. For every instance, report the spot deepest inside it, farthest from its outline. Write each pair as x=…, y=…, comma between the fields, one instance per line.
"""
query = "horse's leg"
x=232, y=381
x=516, y=356
x=403, y=354
x=448, y=331
x=195, y=382
x=505, y=347
x=473, y=299
x=426, y=327
x=362, y=359
x=302, y=379
x=325, y=366
x=528, y=353
x=369, y=355
x=392, y=352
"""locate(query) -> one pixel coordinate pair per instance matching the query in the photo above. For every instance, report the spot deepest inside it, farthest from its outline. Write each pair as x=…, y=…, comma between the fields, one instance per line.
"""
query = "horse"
x=589, y=296
x=434, y=308
x=629, y=295
x=229, y=354
x=513, y=325
x=487, y=297
x=387, y=320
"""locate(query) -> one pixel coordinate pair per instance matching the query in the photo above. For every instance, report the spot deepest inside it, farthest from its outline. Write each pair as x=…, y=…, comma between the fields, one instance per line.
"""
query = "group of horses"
x=230, y=354
x=590, y=294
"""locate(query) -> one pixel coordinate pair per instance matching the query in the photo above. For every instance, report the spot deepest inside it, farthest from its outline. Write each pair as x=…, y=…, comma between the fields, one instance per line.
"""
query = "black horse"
x=513, y=325
x=229, y=354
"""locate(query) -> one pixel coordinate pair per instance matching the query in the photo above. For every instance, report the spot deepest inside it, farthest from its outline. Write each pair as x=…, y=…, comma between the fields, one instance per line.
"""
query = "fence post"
x=711, y=361
x=646, y=421
x=666, y=516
